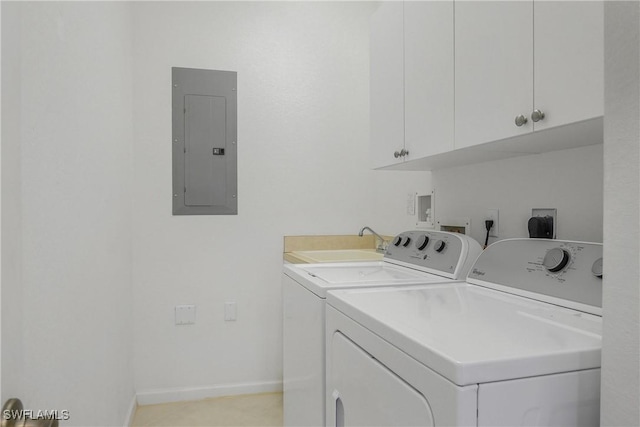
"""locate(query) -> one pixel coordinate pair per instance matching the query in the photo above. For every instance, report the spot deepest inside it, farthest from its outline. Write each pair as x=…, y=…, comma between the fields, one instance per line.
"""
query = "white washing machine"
x=518, y=344
x=414, y=257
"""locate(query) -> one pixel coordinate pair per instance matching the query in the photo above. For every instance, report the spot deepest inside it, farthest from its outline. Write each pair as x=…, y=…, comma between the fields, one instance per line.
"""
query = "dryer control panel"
x=564, y=272
x=433, y=251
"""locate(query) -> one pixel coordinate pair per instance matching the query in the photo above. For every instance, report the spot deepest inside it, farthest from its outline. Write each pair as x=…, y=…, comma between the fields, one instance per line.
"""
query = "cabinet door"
x=493, y=70
x=386, y=84
x=428, y=77
x=569, y=61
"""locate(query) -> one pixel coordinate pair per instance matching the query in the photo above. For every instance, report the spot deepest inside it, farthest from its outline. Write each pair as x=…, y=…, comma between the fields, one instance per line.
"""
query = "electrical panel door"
x=204, y=113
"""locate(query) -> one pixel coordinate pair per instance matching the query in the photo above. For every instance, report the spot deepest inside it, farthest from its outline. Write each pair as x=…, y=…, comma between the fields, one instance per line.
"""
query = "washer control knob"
x=596, y=268
x=406, y=242
x=422, y=242
x=397, y=240
x=556, y=259
x=439, y=246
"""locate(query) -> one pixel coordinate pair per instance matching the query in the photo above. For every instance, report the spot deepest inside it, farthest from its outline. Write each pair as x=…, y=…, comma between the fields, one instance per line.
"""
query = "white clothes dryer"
x=518, y=344
x=413, y=258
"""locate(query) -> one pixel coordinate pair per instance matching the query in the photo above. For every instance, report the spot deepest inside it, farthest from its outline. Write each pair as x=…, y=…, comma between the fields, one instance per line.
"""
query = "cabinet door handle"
x=521, y=120
x=537, y=115
x=400, y=153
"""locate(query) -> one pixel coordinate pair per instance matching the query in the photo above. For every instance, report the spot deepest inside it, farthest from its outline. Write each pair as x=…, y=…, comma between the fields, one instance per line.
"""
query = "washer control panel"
x=433, y=250
x=564, y=270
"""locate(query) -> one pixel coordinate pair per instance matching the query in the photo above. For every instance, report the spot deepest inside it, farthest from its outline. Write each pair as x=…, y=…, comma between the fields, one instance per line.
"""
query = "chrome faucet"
x=383, y=243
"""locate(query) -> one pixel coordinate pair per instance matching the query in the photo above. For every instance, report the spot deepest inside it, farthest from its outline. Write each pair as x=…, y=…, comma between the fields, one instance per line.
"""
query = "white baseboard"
x=132, y=411
x=152, y=397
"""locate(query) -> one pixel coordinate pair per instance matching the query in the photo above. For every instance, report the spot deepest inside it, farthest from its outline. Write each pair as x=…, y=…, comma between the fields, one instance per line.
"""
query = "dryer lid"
x=472, y=335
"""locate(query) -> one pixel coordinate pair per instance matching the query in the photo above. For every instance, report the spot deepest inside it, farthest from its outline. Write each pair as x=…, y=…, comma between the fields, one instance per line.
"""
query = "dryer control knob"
x=439, y=246
x=422, y=242
x=556, y=259
x=596, y=268
x=406, y=242
x=397, y=240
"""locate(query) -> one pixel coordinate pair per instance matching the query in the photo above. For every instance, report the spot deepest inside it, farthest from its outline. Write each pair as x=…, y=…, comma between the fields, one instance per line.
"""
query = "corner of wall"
x=11, y=222
x=620, y=388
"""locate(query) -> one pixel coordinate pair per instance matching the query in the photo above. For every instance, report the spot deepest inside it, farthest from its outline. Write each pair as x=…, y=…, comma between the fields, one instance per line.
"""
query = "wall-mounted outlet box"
x=455, y=225
x=185, y=314
x=426, y=210
x=543, y=212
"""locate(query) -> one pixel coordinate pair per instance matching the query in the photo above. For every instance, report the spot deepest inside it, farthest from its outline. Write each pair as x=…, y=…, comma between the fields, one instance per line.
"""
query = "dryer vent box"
x=204, y=142
x=455, y=225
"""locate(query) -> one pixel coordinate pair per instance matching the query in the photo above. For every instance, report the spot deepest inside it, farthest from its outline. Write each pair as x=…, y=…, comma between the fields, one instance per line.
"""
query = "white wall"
x=568, y=180
x=621, y=287
x=67, y=212
x=302, y=169
x=66, y=174
x=66, y=178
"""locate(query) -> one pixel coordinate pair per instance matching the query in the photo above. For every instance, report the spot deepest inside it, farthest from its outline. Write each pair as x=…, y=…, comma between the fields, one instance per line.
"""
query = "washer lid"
x=472, y=335
x=319, y=278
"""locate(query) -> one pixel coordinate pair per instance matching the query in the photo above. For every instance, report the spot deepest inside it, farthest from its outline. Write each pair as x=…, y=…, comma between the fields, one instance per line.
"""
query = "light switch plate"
x=230, y=311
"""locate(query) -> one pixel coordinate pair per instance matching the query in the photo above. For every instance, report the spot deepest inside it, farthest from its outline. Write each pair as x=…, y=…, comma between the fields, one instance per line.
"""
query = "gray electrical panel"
x=204, y=141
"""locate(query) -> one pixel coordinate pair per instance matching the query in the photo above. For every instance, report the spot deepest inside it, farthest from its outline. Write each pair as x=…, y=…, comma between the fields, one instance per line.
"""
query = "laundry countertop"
x=330, y=248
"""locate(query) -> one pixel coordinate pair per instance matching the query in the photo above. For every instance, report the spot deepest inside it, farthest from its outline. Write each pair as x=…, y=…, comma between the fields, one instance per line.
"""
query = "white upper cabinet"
x=569, y=61
x=386, y=80
x=493, y=69
x=524, y=66
x=428, y=78
x=457, y=82
x=411, y=81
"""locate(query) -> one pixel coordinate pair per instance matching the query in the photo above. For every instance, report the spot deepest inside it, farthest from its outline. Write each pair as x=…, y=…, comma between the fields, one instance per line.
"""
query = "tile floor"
x=263, y=409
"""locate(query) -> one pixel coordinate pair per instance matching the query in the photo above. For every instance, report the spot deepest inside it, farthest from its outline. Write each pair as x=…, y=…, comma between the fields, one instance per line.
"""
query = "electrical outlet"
x=493, y=214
